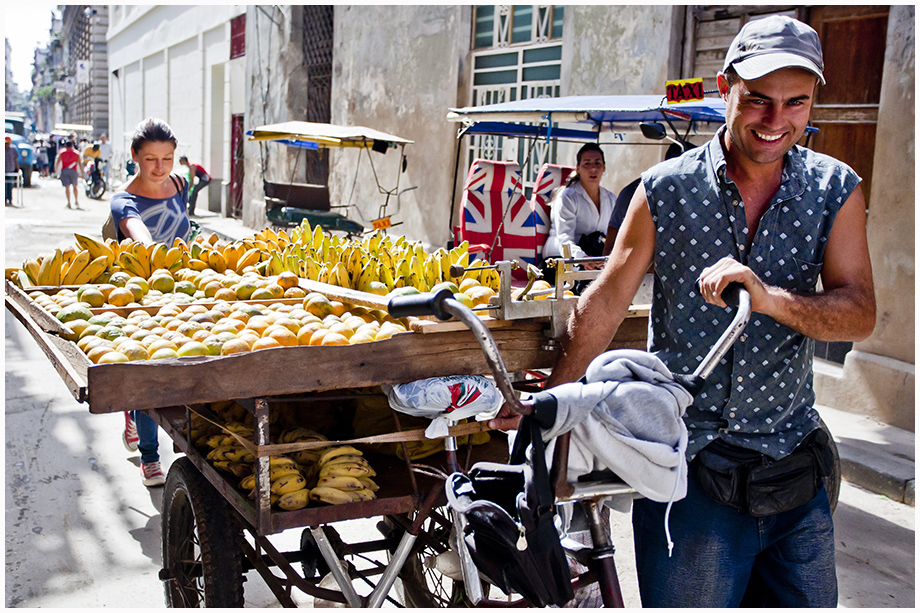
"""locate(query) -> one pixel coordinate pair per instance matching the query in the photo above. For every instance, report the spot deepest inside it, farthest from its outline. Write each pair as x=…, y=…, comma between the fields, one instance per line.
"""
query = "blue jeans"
x=147, y=441
x=717, y=550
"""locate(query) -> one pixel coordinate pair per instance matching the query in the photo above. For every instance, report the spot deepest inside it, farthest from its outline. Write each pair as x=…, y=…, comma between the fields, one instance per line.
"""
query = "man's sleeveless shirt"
x=760, y=396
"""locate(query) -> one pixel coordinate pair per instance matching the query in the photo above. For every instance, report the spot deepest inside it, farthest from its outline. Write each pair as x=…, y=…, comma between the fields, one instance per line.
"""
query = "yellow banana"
x=223, y=465
x=362, y=495
x=241, y=454
x=249, y=482
x=307, y=457
x=31, y=267
x=283, y=471
x=142, y=253
x=288, y=483
x=340, y=483
x=278, y=461
x=79, y=262
x=129, y=262
x=341, y=275
x=369, y=483
x=96, y=248
x=92, y=270
x=158, y=256
x=173, y=255
x=385, y=276
x=221, y=453
x=346, y=459
x=22, y=279
x=196, y=264
x=294, y=500
x=49, y=272
x=338, y=451
x=250, y=258
x=217, y=261
x=241, y=469
x=344, y=470
x=330, y=495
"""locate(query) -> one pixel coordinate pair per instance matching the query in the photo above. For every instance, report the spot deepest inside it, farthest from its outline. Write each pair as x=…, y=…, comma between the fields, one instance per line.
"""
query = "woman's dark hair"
x=573, y=178
x=152, y=129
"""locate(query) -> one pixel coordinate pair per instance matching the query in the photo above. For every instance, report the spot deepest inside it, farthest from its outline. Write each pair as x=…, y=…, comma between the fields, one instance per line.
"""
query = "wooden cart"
x=205, y=552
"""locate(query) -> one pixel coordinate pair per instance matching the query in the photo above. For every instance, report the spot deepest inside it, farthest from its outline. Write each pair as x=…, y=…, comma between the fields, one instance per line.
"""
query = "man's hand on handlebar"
x=506, y=419
x=715, y=279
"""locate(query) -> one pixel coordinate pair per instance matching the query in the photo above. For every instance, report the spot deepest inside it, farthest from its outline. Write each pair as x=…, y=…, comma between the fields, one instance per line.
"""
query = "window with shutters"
x=517, y=55
x=238, y=36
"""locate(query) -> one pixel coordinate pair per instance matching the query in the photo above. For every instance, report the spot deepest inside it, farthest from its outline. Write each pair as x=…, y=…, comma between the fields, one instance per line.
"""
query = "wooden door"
x=846, y=108
x=237, y=165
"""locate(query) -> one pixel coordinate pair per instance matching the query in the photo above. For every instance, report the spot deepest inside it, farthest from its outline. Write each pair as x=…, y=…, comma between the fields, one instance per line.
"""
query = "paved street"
x=82, y=531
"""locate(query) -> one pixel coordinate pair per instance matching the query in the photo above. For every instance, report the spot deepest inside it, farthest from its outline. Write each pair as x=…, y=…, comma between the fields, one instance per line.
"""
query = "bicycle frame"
x=591, y=494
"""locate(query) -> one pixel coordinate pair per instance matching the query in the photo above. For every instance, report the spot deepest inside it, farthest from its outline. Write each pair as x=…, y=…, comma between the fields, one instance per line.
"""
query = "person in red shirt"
x=70, y=169
x=199, y=177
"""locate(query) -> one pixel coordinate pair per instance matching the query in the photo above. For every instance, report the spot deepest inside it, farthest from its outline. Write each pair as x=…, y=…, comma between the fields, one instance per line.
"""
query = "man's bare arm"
x=843, y=311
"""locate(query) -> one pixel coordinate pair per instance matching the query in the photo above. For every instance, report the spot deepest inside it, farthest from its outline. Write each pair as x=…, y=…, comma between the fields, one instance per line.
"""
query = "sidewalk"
x=873, y=455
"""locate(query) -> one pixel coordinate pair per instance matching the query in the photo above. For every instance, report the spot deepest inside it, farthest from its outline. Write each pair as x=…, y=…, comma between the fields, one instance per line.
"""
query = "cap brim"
x=761, y=65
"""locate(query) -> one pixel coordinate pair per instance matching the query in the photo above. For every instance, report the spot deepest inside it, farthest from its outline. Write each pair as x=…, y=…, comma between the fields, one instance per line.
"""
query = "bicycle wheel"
x=97, y=189
x=423, y=585
x=202, y=555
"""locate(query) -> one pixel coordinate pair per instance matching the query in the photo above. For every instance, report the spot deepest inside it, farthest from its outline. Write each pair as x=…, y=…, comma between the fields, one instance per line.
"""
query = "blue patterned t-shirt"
x=760, y=396
x=166, y=218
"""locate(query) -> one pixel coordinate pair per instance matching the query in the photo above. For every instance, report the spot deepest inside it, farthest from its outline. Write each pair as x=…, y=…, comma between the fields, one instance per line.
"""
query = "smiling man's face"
x=767, y=116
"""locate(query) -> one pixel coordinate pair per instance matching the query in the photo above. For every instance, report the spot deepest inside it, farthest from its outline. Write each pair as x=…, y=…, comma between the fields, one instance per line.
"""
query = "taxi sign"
x=381, y=224
x=684, y=90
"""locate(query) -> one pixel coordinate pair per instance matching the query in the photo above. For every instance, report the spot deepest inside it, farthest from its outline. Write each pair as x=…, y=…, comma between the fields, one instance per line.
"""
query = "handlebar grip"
x=420, y=304
x=731, y=294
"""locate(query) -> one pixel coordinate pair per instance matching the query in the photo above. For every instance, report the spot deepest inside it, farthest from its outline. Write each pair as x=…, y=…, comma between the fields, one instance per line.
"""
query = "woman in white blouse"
x=579, y=213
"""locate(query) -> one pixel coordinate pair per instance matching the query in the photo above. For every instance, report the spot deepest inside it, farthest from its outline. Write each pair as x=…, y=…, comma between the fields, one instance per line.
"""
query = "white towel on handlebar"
x=626, y=416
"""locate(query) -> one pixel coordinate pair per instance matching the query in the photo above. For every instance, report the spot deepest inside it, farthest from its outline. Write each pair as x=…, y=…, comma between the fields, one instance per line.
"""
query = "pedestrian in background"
x=11, y=165
x=199, y=177
x=42, y=157
x=70, y=170
x=151, y=207
x=105, y=154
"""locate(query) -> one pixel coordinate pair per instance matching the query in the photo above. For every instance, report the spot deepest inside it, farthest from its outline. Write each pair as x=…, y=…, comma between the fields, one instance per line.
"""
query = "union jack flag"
x=493, y=190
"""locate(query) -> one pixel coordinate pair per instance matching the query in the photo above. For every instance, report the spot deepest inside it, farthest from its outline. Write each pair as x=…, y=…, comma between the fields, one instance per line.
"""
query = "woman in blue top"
x=149, y=208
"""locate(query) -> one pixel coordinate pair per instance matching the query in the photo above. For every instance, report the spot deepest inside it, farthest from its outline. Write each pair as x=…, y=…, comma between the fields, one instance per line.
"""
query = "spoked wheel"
x=97, y=189
x=202, y=559
x=424, y=585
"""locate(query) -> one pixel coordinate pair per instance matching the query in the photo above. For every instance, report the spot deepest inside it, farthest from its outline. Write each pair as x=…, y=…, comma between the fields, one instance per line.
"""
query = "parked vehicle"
x=95, y=179
x=14, y=127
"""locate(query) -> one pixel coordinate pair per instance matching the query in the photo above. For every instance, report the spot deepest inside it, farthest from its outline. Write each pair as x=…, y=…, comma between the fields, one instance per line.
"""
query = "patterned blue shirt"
x=167, y=219
x=760, y=395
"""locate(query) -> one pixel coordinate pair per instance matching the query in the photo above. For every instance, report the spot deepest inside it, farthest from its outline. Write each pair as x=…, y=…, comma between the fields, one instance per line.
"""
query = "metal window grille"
x=318, y=32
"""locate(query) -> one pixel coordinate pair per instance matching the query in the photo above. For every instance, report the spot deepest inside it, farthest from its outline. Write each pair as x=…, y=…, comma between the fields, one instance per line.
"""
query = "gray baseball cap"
x=771, y=43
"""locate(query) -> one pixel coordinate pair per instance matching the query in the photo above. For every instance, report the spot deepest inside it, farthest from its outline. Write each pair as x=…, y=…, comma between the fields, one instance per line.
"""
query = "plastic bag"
x=446, y=398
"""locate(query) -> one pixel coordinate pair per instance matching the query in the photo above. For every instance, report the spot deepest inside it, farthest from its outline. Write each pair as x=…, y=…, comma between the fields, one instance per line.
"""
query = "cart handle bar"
x=443, y=306
x=734, y=295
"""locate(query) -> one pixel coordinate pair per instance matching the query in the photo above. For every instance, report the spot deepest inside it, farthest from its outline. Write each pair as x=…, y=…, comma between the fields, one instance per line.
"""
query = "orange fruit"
x=164, y=352
x=134, y=353
x=318, y=305
x=294, y=292
x=97, y=352
x=317, y=337
x=284, y=336
x=266, y=342
x=193, y=348
x=112, y=357
x=338, y=309
x=259, y=324
x=225, y=294
x=294, y=325
x=236, y=345
x=162, y=343
x=228, y=325
x=334, y=338
x=306, y=331
x=362, y=336
x=262, y=294
x=121, y=296
x=343, y=329
x=201, y=335
x=286, y=280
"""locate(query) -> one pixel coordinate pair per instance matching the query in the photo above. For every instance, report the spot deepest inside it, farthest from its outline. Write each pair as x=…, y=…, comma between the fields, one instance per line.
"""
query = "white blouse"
x=572, y=215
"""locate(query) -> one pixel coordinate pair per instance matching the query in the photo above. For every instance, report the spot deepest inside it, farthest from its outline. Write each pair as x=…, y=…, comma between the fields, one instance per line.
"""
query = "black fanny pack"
x=758, y=485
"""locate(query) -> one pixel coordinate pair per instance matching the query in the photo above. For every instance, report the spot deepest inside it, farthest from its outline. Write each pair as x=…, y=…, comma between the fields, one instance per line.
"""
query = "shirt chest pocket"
x=794, y=274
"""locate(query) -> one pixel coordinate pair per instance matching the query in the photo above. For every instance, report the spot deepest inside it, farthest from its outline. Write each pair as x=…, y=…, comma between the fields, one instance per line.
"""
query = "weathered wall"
x=617, y=50
x=878, y=376
x=276, y=91
x=396, y=69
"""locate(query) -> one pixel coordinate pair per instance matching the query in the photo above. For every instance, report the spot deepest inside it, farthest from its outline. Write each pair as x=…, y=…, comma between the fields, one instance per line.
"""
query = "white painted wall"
x=165, y=56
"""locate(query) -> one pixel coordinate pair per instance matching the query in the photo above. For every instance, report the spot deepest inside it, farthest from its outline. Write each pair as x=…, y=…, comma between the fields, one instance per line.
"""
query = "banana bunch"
x=68, y=266
x=289, y=489
x=344, y=476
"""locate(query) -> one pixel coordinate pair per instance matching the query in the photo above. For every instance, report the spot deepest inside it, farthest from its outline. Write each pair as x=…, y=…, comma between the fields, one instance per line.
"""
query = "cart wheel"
x=202, y=542
x=832, y=481
x=314, y=565
x=427, y=587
